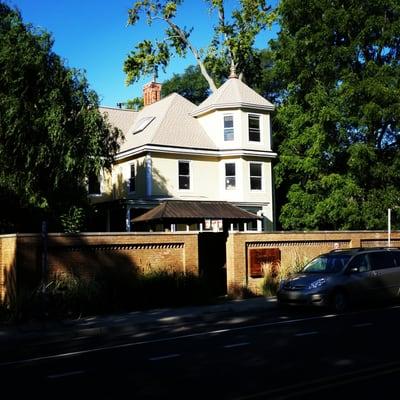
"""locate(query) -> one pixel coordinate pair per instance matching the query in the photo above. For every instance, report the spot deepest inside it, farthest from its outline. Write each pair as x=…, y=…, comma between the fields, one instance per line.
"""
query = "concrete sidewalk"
x=120, y=324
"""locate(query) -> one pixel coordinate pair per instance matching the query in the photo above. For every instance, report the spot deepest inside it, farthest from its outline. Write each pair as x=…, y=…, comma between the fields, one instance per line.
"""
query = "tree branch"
x=196, y=54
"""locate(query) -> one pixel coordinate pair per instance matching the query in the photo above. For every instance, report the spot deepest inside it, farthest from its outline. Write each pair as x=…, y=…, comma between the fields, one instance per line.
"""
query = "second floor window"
x=230, y=176
x=184, y=175
x=132, y=179
x=228, y=128
x=254, y=128
x=255, y=176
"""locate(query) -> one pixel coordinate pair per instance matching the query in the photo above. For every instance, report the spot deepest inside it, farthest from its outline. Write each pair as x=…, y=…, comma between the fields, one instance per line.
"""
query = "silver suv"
x=343, y=277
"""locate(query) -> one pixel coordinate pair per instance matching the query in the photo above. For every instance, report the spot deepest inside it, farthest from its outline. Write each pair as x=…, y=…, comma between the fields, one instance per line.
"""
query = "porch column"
x=128, y=219
x=149, y=177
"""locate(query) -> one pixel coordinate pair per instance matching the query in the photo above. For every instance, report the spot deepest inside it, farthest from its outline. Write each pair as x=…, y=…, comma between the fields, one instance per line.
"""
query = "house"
x=218, y=151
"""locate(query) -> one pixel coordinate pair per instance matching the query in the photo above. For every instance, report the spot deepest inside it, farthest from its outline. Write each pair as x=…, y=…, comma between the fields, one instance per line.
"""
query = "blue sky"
x=92, y=35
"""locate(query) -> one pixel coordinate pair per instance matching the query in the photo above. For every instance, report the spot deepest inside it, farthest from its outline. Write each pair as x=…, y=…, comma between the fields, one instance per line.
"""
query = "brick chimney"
x=151, y=93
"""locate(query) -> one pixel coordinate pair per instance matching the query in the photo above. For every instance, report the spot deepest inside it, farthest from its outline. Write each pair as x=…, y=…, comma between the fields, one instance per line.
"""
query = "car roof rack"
x=347, y=249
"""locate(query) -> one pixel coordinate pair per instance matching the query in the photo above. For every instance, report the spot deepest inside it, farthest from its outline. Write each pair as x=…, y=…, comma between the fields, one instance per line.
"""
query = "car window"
x=329, y=264
x=396, y=255
x=381, y=260
x=360, y=262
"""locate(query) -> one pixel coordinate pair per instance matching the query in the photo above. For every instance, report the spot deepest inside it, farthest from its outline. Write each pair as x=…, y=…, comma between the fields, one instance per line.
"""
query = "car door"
x=359, y=280
x=384, y=273
x=396, y=255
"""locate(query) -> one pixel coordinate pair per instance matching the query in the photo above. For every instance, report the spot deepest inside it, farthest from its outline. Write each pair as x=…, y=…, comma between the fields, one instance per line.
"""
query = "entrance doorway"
x=212, y=261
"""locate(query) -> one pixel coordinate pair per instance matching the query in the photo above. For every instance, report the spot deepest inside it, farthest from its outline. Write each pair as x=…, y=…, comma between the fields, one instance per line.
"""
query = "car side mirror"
x=354, y=270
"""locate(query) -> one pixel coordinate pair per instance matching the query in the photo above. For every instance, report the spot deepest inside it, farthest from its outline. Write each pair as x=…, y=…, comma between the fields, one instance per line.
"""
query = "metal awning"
x=173, y=210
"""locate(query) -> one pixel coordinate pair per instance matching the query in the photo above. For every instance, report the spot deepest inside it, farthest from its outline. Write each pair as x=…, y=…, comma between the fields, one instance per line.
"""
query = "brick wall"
x=86, y=254
x=7, y=268
x=294, y=248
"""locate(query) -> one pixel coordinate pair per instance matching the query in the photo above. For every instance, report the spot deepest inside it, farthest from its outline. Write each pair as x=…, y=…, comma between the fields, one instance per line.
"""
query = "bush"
x=69, y=296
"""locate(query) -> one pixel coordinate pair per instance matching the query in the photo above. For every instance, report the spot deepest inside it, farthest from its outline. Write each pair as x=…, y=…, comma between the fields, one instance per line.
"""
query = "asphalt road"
x=269, y=354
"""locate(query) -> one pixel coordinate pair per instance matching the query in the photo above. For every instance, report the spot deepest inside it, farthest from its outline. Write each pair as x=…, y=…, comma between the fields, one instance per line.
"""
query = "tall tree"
x=190, y=84
x=232, y=44
x=52, y=135
x=338, y=125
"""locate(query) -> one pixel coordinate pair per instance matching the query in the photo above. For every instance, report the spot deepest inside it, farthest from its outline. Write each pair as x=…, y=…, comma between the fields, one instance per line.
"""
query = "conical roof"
x=233, y=94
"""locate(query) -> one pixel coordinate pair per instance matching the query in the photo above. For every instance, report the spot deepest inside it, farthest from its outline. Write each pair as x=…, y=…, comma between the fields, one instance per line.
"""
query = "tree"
x=52, y=135
x=232, y=44
x=338, y=123
x=191, y=85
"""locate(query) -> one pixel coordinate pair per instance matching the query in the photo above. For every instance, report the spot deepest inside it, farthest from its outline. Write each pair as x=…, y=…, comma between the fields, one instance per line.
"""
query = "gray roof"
x=233, y=94
x=165, y=123
x=195, y=210
x=120, y=118
x=172, y=121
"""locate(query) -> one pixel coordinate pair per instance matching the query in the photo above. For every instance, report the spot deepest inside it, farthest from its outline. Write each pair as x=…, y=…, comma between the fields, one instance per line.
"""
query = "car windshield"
x=327, y=264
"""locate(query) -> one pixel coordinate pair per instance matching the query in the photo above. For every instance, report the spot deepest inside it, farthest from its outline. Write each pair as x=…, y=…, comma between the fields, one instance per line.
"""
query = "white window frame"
x=233, y=187
x=256, y=176
x=189, y=176
x=231, y=130
x=258, y=116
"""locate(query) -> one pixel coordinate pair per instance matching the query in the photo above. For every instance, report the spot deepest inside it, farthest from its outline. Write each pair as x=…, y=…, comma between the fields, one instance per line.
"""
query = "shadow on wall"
x=79, y=277
x=88, y=275
x=136, y=188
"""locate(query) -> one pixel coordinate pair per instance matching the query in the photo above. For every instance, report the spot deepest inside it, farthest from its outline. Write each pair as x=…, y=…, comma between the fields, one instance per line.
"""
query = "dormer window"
x=228, y=128
x=254, y=128
x=142, y=124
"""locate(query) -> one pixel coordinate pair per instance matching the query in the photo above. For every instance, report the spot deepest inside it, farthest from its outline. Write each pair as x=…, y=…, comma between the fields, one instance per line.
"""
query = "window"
x=228, y=127
x=94, y=184
x=132, y=179
x=184, y=175
x=230, y=176
x=360, y=263
x=381, y=260
x=255, y=176
x=142, y=124
x=254, y=128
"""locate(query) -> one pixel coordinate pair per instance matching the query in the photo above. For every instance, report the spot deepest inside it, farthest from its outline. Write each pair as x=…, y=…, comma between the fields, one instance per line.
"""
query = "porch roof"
x=195, y=210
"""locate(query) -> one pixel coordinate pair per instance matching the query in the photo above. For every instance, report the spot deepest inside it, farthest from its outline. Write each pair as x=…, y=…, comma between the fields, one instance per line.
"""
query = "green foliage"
x=191, y=85
x=232, y=42
x=73, y=220
x=52, y=135
x=71, y=296
x=135, y=104
x=337, y=129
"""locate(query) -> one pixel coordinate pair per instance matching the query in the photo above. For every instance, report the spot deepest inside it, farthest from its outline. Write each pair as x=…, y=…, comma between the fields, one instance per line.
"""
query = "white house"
x=175, y=150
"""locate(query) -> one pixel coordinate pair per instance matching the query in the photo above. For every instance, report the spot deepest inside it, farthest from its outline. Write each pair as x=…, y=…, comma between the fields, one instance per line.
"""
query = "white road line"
x=164, y=357
x=65, y=374
x=306, y=333
x=363, y=325
x=230, y=346
x=174, y=338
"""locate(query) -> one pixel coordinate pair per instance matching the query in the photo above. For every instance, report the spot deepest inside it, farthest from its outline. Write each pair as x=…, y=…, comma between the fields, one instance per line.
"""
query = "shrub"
x=70, y=296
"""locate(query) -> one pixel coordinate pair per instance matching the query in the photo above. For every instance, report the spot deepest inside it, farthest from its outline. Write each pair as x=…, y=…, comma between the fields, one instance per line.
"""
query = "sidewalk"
x=120, y=324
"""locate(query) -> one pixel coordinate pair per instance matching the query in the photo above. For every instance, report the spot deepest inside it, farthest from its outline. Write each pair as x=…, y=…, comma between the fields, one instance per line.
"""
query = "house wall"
x=213, y=124
x=246, y=250
x=204, y=176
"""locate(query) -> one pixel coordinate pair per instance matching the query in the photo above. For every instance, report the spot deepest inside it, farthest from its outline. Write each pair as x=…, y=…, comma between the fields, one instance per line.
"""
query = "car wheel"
x=339, y=301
